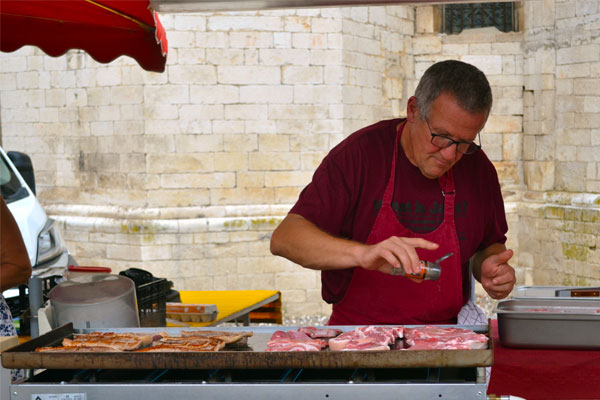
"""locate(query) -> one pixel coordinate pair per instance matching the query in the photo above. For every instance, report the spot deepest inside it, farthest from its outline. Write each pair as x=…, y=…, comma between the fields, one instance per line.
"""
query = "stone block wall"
x=559, y=212
x=187, y=173
x=558, y=239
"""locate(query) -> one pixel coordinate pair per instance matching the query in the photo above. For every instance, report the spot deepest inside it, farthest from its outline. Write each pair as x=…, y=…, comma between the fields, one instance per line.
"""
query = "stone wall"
x=186, y=173
x=559, y=213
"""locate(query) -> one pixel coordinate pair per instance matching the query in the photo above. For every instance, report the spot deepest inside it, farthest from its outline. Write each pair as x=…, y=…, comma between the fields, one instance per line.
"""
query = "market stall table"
x=249, y=372
x=544, y=373
x=232, y=305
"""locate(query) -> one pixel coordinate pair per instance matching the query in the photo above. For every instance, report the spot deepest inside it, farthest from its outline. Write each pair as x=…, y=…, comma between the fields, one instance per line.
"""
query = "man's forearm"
x=477, y=258
x=13, y=275
x=300, y=241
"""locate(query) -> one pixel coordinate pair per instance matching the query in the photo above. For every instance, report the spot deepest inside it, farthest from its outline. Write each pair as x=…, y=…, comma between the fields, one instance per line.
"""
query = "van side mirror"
x=24, y=166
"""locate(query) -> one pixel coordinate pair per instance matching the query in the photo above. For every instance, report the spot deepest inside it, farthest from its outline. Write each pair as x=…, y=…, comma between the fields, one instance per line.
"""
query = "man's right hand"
x=300, y=241
x=394, y=252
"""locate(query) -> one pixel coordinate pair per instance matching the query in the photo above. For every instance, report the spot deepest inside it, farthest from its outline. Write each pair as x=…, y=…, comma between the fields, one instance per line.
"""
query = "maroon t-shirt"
x=346, y=193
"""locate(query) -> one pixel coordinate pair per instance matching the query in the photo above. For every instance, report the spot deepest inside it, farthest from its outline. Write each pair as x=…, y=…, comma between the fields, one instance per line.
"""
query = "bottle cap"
x=433, y=272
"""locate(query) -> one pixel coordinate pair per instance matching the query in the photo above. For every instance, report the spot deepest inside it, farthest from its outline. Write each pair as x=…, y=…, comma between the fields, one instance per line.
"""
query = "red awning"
x=106, y=29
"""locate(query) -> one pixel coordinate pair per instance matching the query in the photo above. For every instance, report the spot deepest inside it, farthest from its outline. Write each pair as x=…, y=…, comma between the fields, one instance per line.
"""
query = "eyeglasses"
x=442, y=142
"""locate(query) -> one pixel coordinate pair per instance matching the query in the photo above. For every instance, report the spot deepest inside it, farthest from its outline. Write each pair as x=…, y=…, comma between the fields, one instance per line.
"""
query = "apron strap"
x=389, y=189
x=447, y=184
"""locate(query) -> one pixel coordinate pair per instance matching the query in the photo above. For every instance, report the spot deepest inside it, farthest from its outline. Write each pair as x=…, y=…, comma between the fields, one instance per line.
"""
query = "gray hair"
x=463, y=81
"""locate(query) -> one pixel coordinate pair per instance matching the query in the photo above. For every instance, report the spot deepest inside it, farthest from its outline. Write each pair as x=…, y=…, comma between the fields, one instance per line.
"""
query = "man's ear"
x=412, y=109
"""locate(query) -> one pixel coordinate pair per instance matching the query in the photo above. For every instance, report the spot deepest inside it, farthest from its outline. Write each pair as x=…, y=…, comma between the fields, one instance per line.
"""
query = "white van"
x=47, y=251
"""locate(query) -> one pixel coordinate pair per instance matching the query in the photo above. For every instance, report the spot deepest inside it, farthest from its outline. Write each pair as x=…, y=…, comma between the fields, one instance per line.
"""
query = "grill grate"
x=238, y=376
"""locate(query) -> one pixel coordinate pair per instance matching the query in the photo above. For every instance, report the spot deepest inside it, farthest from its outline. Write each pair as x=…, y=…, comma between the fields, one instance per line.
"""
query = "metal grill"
x=290, y=384
x=288, y=375
x=246, y=373
x=456, y=17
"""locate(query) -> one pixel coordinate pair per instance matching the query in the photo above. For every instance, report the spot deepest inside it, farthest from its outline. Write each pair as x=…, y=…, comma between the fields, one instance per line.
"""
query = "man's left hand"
x=497, y=276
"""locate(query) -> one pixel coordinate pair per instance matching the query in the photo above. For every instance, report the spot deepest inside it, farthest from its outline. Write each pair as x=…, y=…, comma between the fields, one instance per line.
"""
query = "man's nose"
x=449, y=153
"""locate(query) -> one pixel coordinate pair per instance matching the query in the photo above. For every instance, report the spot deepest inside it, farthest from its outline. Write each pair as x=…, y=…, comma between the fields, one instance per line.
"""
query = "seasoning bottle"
x=430, y=271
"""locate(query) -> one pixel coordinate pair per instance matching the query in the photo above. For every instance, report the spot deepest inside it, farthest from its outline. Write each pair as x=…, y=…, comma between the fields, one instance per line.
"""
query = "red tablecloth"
x=544, y=374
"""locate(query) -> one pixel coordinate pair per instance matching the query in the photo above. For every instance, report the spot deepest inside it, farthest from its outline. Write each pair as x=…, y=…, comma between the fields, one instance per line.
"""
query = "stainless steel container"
x=95, y=301
x=562, y=323
x=556, y=291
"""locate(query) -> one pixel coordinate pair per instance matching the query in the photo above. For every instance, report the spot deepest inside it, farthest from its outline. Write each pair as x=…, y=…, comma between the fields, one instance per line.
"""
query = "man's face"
x=446, y=118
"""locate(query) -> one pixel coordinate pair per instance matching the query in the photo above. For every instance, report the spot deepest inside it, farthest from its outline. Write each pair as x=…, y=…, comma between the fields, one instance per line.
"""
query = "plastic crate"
x=19, y=305
x=269, y=313
x=152, y=302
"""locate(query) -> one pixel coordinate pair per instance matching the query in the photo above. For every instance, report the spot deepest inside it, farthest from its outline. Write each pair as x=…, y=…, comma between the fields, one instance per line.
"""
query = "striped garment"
x=7, y=328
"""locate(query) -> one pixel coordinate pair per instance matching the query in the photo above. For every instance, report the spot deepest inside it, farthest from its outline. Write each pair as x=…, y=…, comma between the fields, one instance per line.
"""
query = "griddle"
x=253, y=356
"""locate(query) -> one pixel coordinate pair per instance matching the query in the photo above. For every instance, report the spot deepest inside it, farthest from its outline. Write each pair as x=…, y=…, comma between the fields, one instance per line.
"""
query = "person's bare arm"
x=15, y=267
x=490, y=267
x=300, y=241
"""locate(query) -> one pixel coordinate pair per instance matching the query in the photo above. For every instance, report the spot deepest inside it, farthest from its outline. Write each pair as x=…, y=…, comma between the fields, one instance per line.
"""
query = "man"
x=400, y=191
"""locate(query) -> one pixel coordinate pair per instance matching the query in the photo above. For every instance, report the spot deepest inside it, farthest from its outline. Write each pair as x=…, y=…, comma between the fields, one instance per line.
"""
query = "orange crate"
x=270, y=313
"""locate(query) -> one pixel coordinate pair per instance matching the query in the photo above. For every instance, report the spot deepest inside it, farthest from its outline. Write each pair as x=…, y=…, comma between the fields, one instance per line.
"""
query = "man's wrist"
x=356, y=251
x=476, y=263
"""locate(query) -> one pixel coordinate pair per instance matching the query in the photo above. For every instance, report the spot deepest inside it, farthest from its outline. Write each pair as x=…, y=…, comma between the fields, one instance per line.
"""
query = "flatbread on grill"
x=212, y=342
x=90, y=349
x=227, y=337
x=126, y=341
x=212, y=345
x=118, y=341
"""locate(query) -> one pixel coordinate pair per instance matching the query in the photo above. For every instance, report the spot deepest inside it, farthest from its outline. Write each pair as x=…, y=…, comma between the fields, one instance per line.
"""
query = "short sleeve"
x=325, y=200
x=496, y=226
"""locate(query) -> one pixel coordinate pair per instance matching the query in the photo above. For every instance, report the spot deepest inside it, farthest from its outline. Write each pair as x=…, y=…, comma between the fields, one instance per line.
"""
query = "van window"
x=10, y=186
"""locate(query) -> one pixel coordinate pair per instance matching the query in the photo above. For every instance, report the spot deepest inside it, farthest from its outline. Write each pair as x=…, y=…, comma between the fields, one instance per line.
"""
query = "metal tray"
x=538, y=291
x=566, y=323
x=550, y=291
x=253, y=357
